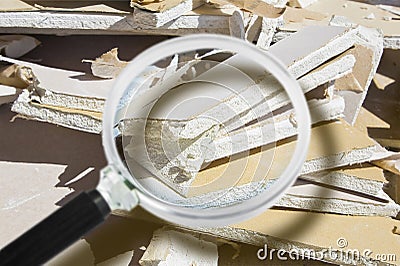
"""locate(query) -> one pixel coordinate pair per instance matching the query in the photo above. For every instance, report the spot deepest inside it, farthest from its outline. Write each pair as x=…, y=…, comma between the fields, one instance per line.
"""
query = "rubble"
x=169, y=247
x=342, y=53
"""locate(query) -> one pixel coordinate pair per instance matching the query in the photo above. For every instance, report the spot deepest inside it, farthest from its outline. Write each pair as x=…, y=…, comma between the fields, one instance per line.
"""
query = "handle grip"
x=58, y=231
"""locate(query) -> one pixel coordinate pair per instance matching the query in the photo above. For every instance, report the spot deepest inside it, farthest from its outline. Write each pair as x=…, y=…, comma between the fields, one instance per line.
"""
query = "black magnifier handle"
x=58, y=231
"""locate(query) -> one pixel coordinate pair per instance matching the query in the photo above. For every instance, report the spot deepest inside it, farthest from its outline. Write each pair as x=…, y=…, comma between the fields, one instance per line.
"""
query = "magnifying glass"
x=190, y=131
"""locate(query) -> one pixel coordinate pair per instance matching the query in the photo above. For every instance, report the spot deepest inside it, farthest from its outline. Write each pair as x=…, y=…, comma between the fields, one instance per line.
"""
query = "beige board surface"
x=355, y=11
x=28, y=194
x=332, y=139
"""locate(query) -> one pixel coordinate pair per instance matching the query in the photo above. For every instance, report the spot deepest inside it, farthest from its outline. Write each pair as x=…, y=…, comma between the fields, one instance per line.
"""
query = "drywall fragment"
x=7, y=94
x=236, y=25
x=382, y=81
x=16, y=5
x=391, y=163
x=366, y=179
x=354, y=12
x=108, y=65
x=346, y=146
x=393, y=9
x=145, y=18
x=313, y=197
x=15, y=46
x=374, y=127
x=273, y=129
x=121, y=259
x=83, y=120
x=160, y=155
x=28, y=195
x=204, y=19
x=197, y=127
x=300, y=232
x=268, y=29
x=169, y=247
x=276, y=97
x=253, y=28
x=301, y=3
x=259, y=8
x=301, y=55
x=73, y=92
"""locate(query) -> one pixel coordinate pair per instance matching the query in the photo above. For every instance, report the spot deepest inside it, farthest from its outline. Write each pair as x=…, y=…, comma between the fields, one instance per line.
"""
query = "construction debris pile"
x=345, y=56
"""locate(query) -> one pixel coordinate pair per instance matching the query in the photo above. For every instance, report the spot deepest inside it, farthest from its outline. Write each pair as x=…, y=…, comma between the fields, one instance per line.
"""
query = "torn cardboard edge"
x=107, y=66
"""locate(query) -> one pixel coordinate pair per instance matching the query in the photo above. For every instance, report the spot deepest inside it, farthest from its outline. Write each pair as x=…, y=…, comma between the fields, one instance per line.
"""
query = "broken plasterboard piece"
x=205, y=19
x=268, y=29
x=328, y=41
x=354, y=12
x=19, y=6
x=273, y=129
x=162, y=163
x=367, y=51
x=66, y=88
x=391, y=164
x=259, y=8
x=169, y=247
x=367, y=179
x=197, y=126
x=321, y=199
x=15, y=46
x=146, y=18
x=276, y=97
x=27, y=204
x=108, y=65
x=8, y=94
x=253, y=28
x=332, y=145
